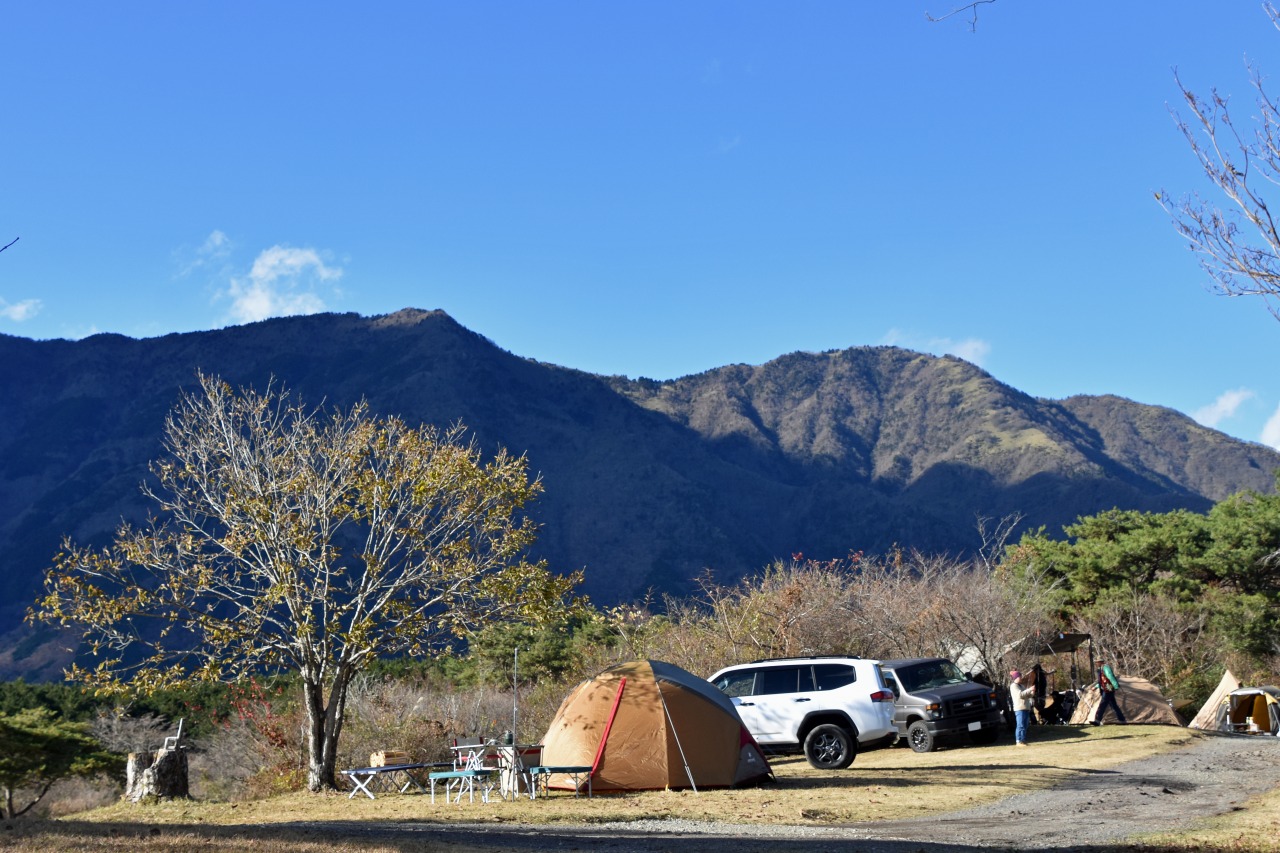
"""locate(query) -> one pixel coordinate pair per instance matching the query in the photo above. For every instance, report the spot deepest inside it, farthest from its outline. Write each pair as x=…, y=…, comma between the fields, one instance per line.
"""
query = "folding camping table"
x=392, y=777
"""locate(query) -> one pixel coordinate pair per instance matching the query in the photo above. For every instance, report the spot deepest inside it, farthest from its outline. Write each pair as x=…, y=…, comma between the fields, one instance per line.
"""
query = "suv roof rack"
x=805, y=657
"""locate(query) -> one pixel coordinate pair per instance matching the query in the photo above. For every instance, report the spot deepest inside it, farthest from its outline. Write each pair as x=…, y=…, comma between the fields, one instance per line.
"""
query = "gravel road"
x=1211, y=776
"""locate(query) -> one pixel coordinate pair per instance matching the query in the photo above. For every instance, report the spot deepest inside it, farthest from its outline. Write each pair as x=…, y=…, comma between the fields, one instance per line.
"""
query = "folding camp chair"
x=470, y=771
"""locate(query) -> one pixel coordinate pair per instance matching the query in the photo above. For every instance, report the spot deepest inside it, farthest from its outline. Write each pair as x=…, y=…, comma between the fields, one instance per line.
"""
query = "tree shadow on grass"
x=50, y=836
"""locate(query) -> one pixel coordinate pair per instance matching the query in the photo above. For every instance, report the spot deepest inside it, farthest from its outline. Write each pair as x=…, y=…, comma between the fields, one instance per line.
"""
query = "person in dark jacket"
x=1041, y=683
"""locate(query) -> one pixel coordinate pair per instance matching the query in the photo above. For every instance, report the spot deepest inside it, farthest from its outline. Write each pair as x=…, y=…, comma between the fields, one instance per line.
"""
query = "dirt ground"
x=1211, y=776
x=1096, y=810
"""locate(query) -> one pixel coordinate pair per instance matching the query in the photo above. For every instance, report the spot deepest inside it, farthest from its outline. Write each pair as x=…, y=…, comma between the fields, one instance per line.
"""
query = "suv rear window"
x=785, y=679
x=830, y=676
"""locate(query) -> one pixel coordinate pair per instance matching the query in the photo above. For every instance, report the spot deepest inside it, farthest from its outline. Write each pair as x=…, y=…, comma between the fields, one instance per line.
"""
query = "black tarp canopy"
x=1051, y=644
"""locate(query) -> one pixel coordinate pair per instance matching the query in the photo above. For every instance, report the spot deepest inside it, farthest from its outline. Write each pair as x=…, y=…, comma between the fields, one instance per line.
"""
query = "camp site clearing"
x=884, y=788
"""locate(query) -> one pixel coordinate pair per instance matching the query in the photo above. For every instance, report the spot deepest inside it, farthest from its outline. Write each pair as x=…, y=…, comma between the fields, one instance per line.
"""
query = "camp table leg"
x=361, y=782
x=411, y=780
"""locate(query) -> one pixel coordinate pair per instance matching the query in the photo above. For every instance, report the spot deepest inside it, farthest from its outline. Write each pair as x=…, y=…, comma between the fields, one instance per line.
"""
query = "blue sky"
x=649, y=189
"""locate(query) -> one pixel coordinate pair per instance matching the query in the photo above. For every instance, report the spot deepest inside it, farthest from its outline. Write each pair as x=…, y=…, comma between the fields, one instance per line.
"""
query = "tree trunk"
x=320, y=758
x=161, y=775
x=324, y=725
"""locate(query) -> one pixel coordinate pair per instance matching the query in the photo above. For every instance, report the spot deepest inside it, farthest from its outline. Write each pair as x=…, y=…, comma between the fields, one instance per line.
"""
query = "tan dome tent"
x=1139, y=699
x=650, y=725
x=1207, y=719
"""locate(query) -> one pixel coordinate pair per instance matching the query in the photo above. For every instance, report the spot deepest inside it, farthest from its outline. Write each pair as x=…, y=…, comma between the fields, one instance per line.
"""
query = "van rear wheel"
x=829, y=747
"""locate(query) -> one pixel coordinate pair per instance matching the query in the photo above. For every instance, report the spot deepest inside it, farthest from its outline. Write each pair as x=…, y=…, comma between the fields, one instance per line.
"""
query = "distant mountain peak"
x=410, y=317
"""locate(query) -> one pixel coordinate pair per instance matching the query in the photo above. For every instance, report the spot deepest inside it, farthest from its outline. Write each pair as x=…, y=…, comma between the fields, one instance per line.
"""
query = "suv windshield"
x=934, y=673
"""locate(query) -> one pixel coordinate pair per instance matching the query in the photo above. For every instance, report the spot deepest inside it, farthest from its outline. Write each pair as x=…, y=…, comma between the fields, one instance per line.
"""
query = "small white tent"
x=1207, y=719
x=1249, y=710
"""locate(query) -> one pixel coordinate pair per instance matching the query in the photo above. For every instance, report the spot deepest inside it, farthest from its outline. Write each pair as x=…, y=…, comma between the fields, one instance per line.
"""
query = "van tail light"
x=882, y=696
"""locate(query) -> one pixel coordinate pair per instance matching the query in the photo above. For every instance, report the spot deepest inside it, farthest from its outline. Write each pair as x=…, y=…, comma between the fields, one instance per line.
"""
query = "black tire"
x=829, y=747
x=984, y=737
x=919, y=737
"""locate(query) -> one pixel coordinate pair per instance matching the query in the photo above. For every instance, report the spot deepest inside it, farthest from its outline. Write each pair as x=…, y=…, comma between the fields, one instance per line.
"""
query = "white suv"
x=824, y=706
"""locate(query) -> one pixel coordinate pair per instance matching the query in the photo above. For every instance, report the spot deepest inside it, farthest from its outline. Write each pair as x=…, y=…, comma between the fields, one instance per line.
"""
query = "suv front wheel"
x=829, y=747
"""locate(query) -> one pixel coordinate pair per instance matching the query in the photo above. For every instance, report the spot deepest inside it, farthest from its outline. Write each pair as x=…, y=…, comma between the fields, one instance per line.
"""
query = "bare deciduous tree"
x=293, y=540
x=1151, y=637
x=1239, y=246
x=917, y=604
x=903, y=605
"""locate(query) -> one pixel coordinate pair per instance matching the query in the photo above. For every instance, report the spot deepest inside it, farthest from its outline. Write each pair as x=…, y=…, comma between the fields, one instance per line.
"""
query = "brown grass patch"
x=885, y=784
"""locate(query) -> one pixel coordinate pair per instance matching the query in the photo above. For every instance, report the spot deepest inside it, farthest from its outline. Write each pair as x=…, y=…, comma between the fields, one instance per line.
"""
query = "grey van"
x=934, y=700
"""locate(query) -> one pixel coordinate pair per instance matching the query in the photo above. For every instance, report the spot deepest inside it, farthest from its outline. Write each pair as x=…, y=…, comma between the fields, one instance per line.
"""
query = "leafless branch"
x=7, y=245
x=1239, y=246
x=968, y=7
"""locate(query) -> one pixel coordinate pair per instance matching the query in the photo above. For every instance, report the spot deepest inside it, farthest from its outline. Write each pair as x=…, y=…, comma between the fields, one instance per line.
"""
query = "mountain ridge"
x=648, y=482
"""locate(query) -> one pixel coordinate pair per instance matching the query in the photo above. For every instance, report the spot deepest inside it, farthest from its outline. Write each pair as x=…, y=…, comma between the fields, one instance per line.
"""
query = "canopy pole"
x=670, y=722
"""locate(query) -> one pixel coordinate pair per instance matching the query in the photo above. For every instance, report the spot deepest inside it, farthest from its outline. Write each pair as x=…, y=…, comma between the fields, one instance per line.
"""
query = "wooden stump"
x=160, y=775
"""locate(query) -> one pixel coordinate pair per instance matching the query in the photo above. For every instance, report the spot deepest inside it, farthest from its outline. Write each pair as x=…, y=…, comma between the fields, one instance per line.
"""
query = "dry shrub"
x=423, y=716
x=75, y=795
x=257, y=752
x=387, y=713
x=121, y=733
x=905, y=605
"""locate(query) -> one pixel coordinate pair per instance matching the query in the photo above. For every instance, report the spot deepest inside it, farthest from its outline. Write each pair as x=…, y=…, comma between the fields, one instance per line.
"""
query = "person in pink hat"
x=1022, y=698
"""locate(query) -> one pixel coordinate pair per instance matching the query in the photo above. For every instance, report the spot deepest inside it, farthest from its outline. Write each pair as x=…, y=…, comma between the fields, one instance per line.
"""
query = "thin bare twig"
x=968, y=7
x=7, y=245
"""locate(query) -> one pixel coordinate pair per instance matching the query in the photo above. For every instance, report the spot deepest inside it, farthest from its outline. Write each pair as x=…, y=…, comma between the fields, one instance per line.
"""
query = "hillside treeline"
x=1172, y=597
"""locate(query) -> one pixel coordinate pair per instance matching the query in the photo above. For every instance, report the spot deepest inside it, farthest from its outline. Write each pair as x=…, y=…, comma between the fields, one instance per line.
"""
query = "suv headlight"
x=934, y=710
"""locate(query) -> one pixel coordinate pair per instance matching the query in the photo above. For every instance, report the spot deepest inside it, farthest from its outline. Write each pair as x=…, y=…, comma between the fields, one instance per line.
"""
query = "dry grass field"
x=886, y=784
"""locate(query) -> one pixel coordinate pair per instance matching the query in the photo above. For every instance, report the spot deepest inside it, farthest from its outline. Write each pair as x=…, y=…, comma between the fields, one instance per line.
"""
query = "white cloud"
x=970, y=349
x=1271, y=431
x=19, y=311
x=973, y=350
x=215, y=248
x=216, y=245
x=727, y=144
x=281, y=282
x=1223, y=407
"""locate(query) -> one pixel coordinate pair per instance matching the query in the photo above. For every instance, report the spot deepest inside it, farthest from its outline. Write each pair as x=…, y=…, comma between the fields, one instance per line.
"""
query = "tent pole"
x=608, y=726
x=670, y=722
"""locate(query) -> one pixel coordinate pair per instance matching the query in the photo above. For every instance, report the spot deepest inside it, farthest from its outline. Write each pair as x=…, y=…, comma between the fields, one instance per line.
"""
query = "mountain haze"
x=647, y=483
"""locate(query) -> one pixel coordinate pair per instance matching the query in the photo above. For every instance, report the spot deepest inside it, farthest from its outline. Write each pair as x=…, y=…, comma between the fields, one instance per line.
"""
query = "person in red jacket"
x=1108, y=684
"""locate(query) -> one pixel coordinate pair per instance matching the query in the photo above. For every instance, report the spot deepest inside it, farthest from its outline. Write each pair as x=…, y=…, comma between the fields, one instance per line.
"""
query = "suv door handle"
x=802, y=699
x=746, y=704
